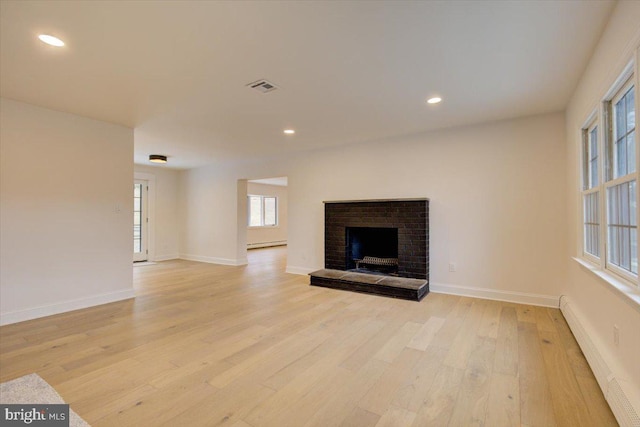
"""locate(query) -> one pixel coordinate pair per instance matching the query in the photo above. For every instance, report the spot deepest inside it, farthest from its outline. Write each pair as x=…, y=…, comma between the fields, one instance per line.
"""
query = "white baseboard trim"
x=63, y=307
x=616, y=391
x=166, y=257
x=299, y=270
x=498, y=295
x=266, y=244
x=214, y=260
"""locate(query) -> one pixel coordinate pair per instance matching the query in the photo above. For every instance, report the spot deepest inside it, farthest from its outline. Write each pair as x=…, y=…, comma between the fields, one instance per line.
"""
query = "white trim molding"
x=618, y=393
x=496, y=294
x=214, y=260
x=303, y=271
x=63, y=307
x=166, y=257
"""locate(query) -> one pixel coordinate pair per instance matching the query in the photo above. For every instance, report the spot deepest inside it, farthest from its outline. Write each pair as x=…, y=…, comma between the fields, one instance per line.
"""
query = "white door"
x=140, y=220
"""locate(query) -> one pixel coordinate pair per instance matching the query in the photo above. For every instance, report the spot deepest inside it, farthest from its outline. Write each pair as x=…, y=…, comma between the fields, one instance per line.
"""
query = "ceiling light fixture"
x=50, y=40
x=289, y=131
x=434, y=100
x=157, y=158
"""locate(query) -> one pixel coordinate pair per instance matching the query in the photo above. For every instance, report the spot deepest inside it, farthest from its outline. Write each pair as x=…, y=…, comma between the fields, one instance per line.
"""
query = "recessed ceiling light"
x=50, y=40
x=157, y=158
x=289, y=131
x=434, y=100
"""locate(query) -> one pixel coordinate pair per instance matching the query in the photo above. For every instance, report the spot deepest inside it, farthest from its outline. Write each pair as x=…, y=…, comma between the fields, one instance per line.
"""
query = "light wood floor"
x=206, y=345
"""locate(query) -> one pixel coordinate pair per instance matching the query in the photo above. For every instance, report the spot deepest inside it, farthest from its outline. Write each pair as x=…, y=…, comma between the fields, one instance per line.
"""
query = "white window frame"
x=592, y=122
x=609, y=143
x=262, y=211
x=602, y=117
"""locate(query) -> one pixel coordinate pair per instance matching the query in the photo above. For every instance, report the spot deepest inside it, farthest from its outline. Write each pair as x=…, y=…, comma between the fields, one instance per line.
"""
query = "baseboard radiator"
x=266, y=244
x=618, y=400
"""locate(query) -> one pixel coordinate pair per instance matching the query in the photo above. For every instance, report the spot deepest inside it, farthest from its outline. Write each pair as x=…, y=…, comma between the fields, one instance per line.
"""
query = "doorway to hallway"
x=140, y=221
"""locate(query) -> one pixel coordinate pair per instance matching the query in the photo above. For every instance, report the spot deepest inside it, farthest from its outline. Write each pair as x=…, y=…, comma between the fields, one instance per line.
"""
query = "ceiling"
x=347, y=71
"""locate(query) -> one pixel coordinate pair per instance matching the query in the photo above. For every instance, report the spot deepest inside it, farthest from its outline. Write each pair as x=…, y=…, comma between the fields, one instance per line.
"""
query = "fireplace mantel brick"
x=410, y=217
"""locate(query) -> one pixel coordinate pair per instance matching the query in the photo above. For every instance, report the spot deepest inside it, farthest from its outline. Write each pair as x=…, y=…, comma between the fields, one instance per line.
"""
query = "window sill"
x=253, y=227
x=631, y=294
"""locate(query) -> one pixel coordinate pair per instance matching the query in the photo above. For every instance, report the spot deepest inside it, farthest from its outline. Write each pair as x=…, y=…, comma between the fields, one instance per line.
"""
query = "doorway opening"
x=265, y=216
x=140, y=221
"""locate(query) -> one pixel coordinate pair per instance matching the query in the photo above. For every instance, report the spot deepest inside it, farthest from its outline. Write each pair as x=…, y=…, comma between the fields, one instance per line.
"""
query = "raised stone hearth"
x=377, y=246
x=396, y=287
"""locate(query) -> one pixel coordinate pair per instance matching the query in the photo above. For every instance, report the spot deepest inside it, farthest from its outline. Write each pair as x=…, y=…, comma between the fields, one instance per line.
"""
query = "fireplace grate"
x=371, y=260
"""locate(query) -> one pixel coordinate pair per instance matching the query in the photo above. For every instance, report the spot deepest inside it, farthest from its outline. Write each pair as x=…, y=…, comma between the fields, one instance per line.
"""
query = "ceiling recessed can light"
x=50, y=40
x=289, y=131
x=157, y=158
x=434, y=100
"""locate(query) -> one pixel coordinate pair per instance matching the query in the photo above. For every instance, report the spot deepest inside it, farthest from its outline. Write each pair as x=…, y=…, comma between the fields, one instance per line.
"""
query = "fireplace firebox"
x=372, y=249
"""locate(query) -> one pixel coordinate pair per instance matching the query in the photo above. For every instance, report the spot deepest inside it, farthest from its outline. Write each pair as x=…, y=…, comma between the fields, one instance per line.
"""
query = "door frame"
x=151, y=202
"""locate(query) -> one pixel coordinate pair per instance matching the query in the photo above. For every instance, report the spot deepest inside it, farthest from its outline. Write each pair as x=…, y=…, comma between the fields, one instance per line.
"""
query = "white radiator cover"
x=612, y=387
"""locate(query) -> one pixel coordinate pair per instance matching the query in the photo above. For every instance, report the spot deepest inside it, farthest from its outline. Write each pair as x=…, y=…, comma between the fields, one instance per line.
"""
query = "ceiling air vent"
x=263, y=86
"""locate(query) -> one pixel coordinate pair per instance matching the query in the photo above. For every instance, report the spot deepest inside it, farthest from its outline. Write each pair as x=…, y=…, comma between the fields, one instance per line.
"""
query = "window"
x=591, y=193
x=609, y=185
x=622, y=228
x=263, y=211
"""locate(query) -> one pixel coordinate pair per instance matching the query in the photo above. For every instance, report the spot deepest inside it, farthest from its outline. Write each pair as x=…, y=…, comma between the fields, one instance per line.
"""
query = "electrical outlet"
x=616, y=335
x=452, y=267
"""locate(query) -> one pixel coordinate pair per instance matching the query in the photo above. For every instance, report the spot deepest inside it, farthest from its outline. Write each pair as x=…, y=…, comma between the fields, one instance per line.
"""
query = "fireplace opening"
x=372, y=249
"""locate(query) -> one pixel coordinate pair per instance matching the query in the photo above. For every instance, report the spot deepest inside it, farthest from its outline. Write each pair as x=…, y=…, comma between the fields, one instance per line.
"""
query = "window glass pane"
x=270, y=211
x=591, y=225
x=631, y=152
x=621, y=226
x=620, y=125
x=255, y=211
x=621, y=158
x=623, y=199
x=593, y=158
x=631, y=109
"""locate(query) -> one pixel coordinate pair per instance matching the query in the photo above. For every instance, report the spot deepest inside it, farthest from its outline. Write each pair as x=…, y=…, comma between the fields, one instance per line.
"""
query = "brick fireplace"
x=378, y=228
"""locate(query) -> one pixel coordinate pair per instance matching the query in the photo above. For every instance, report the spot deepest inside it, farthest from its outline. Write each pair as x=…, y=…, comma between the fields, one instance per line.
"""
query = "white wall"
x=257, y=237
x=497, y=203
x=66, y=204
x=209, y=217
x=163, y=211
x=597, y=307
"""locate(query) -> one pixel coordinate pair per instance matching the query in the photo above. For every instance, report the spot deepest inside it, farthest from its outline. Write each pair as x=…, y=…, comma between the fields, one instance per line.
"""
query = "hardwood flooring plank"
x=471, y=403
x=565, y=392
x=426, y=333
x=503, y=405
x=440, y=400
x=360, y=418
x=413, y=393
x=382, y=393
x=599, y=412
x=536, y=407
x=398, y=342
x=396, y=417
x=506, y=360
